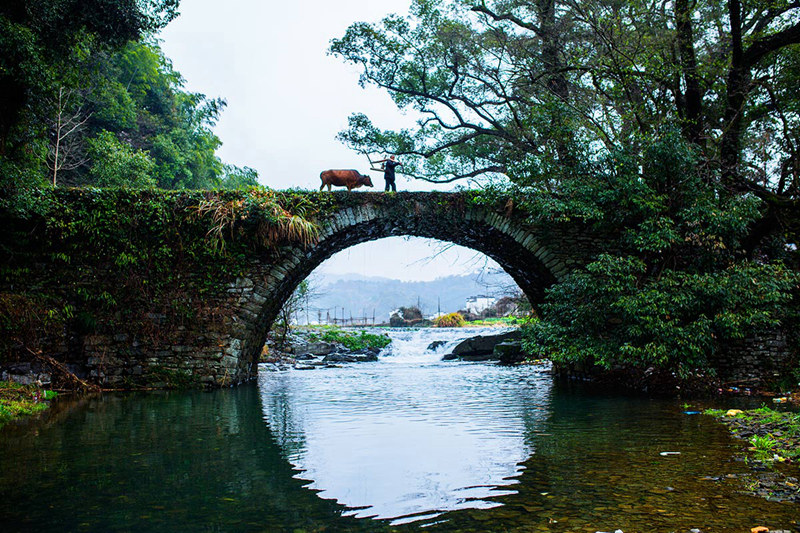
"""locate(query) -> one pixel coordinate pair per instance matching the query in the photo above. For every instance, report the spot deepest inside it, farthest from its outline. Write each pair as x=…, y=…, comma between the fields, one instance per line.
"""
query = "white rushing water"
x=408, y=436
x=410, y=346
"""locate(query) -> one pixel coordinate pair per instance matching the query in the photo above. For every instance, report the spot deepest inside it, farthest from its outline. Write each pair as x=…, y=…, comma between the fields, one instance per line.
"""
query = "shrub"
x=352, y=341
x=451, y=320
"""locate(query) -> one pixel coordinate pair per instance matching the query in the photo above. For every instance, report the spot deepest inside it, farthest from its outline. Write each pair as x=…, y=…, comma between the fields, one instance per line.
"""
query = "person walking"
x=388, y=172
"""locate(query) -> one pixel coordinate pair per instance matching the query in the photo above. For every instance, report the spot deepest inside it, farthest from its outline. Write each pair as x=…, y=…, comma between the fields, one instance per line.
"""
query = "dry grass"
x=275, y=224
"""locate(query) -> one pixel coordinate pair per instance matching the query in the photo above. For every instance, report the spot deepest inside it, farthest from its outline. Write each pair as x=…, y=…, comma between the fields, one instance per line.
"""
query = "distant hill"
x=362, y=295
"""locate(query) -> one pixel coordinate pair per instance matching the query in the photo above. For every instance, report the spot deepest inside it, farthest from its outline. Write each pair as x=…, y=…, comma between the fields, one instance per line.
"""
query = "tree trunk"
x=737, y=88
x=693, y=99
x=556, y=80
x=58, y=134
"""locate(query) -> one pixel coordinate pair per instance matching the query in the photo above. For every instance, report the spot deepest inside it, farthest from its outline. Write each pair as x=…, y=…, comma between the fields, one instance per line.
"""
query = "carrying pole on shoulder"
x=373, y=165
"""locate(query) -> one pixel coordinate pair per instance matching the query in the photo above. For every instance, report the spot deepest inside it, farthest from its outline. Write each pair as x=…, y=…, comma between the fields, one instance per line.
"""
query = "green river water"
x=402, y=444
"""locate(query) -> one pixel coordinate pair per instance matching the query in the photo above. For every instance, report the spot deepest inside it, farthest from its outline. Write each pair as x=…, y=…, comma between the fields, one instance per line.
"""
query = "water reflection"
x=399, y=440
x=154, y=462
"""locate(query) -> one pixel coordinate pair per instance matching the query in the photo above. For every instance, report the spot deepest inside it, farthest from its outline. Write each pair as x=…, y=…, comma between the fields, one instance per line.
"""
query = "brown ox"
x=344, y=178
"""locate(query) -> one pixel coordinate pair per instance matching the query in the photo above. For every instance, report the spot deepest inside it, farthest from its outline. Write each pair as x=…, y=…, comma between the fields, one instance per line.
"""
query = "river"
x=400, y=444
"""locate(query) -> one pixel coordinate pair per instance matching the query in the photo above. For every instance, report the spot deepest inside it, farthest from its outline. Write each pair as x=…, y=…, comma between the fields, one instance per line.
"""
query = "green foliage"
x=259, y=207
x=776, y=432
x=238, y=178
x=450, y=320
x=764, y=446
x=116, y=164
x=18, y=400
x=140, y=98
x=46, y=46
x=675, y=286
x=613, y=313
x=352, y=341
x=108, y=260
x=134, y=123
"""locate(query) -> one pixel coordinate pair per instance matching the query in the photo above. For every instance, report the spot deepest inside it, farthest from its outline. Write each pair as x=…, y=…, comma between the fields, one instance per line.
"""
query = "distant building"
x=478, y=304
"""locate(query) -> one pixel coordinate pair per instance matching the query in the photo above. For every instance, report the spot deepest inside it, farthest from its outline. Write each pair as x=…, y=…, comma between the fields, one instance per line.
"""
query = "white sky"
x=287, y=100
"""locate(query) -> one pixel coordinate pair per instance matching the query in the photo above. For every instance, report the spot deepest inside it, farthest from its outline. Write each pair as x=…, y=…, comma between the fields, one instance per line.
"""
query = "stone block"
x=243, y=283
x=93, y=340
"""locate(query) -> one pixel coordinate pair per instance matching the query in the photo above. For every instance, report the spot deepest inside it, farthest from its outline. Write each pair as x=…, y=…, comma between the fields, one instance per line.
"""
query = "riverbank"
x=18, y=401
x=308, y=347
x=773, y=451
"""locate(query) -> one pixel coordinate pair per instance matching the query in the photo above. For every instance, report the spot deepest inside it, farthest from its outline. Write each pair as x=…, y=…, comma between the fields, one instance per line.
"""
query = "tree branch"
x=496, y=169
x=511, y=18
x=761, y=47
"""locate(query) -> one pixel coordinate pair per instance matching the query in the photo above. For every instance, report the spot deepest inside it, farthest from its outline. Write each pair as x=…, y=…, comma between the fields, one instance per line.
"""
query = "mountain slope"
x=361, y=296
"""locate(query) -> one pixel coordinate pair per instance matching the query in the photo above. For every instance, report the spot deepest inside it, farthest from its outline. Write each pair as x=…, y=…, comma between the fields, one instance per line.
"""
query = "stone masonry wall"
x=755, y=360
x=221, y=344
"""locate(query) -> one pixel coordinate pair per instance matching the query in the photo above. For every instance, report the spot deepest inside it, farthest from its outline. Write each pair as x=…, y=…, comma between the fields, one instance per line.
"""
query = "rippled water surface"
x=403, y=443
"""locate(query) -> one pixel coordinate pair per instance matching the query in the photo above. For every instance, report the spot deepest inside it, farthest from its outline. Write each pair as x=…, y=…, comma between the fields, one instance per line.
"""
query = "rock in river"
x=482, y=347
x=509, y=352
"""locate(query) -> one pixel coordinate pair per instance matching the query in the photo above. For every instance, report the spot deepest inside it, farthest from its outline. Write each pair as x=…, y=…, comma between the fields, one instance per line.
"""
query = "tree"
x=238, y=177
x=117, y=164
x=672, y=125
x=65, y=150
x=136, y=94
x=525, y=89
x=132, y=91
x=42, y=43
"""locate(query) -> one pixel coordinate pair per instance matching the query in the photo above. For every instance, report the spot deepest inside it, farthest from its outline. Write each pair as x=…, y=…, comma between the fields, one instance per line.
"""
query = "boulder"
x=356, y=356
x=481, y=347
x=339, y=358
x=367, y=354
x=478, y=357
x=435, y=345
x=509, y=352
x=407, y=317
x=313, y=348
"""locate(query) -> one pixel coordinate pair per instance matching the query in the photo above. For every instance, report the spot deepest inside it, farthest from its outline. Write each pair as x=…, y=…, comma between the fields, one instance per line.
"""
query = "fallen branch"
x=64, y=371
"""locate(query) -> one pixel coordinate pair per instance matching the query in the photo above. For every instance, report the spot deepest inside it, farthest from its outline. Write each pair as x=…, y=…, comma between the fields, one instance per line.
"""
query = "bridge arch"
x=523, y=251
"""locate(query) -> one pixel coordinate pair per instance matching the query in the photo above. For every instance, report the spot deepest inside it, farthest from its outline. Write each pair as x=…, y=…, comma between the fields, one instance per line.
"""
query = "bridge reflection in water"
x=217, y=461
x=406, y=438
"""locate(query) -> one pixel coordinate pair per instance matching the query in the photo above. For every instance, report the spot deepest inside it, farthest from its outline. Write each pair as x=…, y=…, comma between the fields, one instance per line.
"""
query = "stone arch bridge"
x=222, y=341
x=535, y=257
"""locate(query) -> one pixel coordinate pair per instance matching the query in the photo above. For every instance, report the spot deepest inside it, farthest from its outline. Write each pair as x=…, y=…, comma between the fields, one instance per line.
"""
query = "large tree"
x=673, y=125
x=522, y=87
